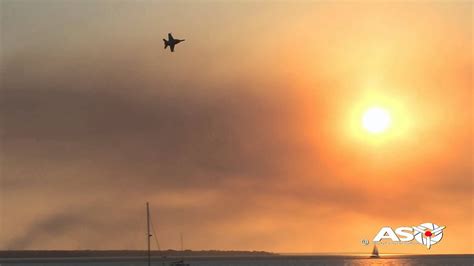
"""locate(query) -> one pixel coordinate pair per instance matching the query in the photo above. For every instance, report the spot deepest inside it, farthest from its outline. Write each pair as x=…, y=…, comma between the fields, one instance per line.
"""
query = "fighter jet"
x=171, y=42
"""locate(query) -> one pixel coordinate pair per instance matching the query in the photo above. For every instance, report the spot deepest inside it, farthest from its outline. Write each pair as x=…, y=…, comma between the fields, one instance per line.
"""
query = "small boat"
x=179, y=263
x=149, y=235
x=375, y=253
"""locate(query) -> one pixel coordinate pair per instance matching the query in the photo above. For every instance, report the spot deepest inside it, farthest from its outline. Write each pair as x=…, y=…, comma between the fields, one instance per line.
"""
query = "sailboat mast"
x=148, y=231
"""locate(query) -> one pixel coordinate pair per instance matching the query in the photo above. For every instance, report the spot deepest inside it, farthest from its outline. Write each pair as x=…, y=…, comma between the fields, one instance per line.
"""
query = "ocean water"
x=444, y=260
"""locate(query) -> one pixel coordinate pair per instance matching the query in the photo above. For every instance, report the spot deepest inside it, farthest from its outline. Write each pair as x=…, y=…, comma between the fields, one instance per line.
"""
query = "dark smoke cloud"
x=104, y=141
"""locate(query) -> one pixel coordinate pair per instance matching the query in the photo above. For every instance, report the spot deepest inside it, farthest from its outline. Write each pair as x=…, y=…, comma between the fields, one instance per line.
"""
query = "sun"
x=376, y=120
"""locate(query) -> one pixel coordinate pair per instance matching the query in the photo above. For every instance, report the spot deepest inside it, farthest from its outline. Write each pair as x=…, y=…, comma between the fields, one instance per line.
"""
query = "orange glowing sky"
x=248, y=137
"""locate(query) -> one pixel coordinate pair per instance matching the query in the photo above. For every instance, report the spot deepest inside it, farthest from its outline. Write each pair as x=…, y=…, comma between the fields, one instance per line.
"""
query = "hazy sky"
x=247, y=137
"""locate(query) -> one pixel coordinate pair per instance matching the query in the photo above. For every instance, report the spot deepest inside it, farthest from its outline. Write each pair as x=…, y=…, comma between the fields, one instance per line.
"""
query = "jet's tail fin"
x=166, y=43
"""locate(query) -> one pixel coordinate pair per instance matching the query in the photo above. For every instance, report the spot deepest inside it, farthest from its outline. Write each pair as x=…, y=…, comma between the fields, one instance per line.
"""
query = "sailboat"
x=180, y=262
x=375, y=253
x=149, y=235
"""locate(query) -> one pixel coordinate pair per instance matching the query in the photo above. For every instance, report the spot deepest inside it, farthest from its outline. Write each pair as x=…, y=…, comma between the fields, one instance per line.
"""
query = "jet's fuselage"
x=171, y=42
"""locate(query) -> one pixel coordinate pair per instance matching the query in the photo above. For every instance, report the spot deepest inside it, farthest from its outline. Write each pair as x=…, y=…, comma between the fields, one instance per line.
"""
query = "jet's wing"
x=170, y=37
x=172, y=48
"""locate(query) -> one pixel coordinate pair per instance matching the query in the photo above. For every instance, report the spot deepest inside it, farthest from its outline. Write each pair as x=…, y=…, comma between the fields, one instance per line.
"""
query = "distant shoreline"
x=126, y=253
x=165, y=254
